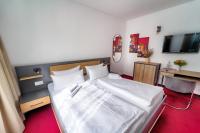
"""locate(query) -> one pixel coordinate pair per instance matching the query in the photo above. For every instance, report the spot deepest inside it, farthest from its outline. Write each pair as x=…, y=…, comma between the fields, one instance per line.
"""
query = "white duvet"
x=94, y=110
x=141, y=93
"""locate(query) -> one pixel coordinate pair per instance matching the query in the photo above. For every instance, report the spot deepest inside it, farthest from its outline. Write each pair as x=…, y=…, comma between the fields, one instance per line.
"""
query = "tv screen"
x=182, y=43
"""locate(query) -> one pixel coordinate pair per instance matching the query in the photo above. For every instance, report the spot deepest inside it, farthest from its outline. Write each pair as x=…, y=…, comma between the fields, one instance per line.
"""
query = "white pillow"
x=92, y=67
x=97, y=72
x=64, y=72
x=114, y=76
x=64, y=81
x=95, y=66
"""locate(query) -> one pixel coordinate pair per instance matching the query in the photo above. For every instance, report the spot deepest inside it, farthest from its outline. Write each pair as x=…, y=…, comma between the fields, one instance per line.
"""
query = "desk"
x=183, y=76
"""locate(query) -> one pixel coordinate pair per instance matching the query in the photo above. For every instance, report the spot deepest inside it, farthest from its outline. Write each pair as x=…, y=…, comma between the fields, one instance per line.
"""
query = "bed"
x=142, y=120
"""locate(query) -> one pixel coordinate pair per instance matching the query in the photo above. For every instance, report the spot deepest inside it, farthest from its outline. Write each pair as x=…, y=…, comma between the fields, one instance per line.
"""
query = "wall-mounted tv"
x=182, y=43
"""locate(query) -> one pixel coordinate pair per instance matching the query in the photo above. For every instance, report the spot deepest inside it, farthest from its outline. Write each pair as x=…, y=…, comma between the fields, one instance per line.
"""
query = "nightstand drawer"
x=25, y=107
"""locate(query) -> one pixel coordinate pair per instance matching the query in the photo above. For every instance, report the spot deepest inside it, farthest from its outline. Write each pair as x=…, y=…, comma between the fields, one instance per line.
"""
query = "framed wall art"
x=133, y=46
x=142, y=46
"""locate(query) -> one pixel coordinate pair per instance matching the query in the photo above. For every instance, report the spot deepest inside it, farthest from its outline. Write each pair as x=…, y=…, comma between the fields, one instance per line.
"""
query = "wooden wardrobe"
x=146, y=72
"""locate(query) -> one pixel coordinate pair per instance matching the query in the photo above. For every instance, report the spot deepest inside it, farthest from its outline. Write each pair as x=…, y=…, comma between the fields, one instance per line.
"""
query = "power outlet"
x=37, y=83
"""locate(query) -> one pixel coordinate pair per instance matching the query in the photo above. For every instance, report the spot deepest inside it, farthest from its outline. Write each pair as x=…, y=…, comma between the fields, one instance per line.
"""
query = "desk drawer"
x=25, y=107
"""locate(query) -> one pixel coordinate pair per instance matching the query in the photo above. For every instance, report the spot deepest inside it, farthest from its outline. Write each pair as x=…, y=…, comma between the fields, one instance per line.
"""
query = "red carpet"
x=42, y=120
x=179, y=121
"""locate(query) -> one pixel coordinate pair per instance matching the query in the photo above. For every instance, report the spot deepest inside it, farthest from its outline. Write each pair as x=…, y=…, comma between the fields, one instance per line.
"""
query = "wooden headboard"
x=72, y=65
x=29, y=85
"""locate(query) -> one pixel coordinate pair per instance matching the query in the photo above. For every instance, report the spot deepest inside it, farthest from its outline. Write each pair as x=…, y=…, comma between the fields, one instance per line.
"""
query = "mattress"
x=55, y=107
x=58, y=98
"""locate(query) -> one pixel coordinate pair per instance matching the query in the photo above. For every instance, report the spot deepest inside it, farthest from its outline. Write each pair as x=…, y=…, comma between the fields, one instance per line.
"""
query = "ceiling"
x=130, y=8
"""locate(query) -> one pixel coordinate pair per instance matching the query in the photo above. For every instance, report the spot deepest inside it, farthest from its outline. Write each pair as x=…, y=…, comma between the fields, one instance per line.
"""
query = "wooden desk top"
x=183, y=72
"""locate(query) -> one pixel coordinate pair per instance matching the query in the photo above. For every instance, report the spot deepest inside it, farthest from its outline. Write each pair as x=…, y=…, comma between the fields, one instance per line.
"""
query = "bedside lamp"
x=37, y=70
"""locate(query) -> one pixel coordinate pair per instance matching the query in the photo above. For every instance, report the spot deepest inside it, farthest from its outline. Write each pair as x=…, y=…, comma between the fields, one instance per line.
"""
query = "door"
x=138, y=72
x=149, y=74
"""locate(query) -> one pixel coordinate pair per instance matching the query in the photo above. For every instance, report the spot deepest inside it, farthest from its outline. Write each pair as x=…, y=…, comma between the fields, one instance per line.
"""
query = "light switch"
x=37, y=83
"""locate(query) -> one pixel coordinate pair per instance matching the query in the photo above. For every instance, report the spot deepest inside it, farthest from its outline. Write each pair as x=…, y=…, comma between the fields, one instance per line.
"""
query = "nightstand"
x=33, y=100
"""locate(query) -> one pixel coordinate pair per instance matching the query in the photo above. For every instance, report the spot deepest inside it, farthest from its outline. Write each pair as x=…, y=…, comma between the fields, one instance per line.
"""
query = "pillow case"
x=91, y=67
x=114, y=76
x=95, y=66
x=67, y=81
x=97, y=72
x=64, y=72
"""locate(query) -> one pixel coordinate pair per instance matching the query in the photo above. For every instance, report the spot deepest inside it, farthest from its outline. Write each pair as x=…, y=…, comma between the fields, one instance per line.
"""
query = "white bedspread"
x=93, y=110
x=144, y=94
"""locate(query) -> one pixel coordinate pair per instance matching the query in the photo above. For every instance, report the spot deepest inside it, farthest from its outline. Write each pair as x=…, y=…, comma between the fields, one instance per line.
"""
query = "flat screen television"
x=182, y=43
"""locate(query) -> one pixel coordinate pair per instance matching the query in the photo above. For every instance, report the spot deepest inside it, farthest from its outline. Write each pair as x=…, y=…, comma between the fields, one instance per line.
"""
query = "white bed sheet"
x=55, y=108
x=135, y=94
x=157, y=101
x=58, y=99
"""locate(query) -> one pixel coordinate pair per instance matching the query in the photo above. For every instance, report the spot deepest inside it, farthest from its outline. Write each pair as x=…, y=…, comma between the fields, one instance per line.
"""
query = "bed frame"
x=155, y=116
x=148, y=126
x=27, y=75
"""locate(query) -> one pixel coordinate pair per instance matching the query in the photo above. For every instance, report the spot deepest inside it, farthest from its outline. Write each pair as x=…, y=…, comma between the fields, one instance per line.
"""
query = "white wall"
x=180, y=19
x=42, y=31
x=45, y=31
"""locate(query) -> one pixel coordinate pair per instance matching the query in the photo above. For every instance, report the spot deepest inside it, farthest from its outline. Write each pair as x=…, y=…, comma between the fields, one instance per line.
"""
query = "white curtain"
x=2, y=127
x=10, y=116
